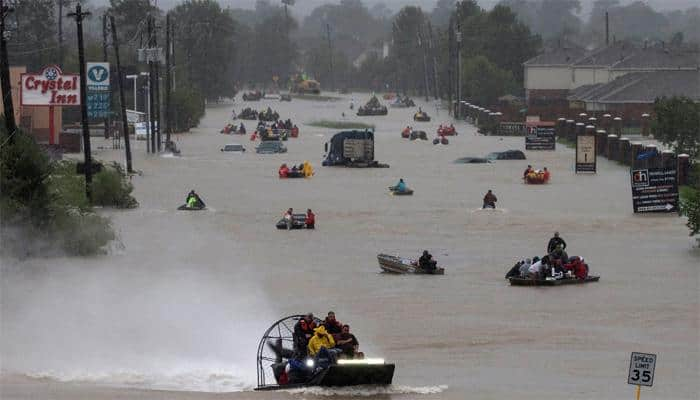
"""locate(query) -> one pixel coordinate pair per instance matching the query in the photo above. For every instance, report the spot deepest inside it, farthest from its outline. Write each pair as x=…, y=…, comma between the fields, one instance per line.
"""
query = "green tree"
x=677, y=124
x=33, y=41
x=483, y=82
x=206, y=46
x=406, y=51
x=130, y=17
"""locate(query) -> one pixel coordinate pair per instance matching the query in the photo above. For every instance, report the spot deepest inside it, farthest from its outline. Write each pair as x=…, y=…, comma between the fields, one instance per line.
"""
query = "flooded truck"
x=352, y=149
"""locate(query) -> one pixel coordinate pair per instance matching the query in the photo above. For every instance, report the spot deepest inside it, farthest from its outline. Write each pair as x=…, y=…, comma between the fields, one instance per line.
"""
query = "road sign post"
x=641, y=372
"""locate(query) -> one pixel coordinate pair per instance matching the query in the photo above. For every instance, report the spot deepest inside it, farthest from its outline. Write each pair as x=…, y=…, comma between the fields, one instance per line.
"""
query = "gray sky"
x=304, y=7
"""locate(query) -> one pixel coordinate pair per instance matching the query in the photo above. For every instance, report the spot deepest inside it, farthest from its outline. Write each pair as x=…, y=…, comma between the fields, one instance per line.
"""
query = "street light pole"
x=459, y=73
x=134, y=78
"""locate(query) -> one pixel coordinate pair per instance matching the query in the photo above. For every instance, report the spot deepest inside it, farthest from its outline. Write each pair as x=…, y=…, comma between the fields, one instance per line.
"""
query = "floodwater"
x=177, y=308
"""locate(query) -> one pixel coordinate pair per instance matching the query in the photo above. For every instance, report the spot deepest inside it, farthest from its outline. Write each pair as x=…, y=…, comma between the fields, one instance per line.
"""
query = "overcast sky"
x=304, y=7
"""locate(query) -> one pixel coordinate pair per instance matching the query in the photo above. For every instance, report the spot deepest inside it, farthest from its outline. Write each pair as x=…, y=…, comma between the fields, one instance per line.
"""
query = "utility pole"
x=105, y=59
x=450, y=64
x=330, y=55
x=458, y=35
x=79, y=15
x=168, y=126
x=60, y=33
x=607, y=30
x=156, y=87
x=421, y=44
x=435, y=64
x=122, y=102
x=152, y=86
x=9, y=109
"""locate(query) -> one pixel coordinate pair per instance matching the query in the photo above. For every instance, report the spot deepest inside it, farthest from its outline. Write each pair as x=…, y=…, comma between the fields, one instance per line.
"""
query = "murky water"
x=183, y=304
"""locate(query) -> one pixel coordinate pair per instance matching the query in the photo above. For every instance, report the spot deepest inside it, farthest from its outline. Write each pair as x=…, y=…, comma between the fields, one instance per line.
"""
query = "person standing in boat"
x=489, y=200
x=555, y=241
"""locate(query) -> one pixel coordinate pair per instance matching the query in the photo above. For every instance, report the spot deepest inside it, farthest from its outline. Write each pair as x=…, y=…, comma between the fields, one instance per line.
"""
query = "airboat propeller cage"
x=371, y=371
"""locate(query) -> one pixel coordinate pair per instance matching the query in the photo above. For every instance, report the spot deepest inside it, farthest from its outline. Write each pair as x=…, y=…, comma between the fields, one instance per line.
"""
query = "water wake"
x=367, y=391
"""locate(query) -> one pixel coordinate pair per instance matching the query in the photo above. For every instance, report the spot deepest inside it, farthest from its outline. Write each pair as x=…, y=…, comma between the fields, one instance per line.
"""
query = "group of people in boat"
x=555, y=264
x=316, y=347
x=232, y=129
x=304, y=169
x=446, y=130
x=310, y=220
x=531, y=175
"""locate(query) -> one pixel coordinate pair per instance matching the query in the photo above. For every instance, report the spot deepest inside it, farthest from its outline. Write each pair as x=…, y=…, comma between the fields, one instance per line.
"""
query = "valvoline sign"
x=97, y=74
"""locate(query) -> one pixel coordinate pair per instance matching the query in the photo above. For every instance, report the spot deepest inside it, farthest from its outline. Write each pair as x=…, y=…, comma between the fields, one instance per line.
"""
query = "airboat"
x=275, y=350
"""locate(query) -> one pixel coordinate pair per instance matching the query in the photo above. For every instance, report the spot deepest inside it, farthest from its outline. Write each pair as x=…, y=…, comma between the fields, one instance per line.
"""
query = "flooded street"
x=176, y=310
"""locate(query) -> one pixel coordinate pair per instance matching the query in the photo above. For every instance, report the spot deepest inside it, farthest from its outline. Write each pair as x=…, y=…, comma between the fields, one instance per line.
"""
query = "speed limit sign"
x=642, y=369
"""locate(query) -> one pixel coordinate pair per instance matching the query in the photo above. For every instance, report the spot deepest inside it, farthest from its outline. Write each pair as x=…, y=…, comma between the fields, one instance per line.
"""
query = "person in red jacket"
x=283, y=171
x=310, y=219
x=546, y=174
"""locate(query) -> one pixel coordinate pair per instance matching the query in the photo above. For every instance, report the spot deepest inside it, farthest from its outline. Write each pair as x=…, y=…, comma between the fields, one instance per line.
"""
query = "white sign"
x=642, y=369
x=51, y=87
x=97, y=75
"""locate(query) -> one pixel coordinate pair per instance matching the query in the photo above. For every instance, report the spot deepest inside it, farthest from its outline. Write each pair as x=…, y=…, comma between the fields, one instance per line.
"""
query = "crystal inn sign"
x=51, y=87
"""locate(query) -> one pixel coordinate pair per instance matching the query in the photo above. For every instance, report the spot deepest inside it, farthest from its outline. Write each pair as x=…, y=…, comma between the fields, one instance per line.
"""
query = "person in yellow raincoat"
x=320, y=339
x=307, y=169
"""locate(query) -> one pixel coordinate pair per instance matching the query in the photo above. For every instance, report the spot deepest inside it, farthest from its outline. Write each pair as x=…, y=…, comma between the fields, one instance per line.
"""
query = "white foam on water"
x=197, y=380
x=368, y=390
x=490, y=210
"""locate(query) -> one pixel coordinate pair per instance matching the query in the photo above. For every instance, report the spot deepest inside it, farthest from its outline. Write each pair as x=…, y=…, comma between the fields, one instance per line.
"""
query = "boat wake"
x=490, y=210
x=215, y=381
x=367, y=391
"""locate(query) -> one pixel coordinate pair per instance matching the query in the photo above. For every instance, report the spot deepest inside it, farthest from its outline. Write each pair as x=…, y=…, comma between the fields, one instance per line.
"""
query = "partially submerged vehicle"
x=306, y=86
x=274, y=354
x=252, y=96
x=286, y=97
x=351, y=149
x=270, y=147
x=506, y=155
x=421, y=116
x=233, y=148
x=272, y=96
x=400, y=265
x=418, y=135
x=472, y=160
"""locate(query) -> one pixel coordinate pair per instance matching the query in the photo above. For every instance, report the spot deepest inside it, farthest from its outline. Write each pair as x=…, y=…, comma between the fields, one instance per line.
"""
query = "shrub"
x=110, y=187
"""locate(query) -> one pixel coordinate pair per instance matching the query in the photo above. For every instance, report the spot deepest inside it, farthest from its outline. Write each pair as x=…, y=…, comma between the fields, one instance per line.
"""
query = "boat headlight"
x=365, y=361
x=309, y=363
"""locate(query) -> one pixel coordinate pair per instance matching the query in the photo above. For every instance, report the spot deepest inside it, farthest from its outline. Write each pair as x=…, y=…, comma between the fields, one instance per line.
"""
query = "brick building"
x=556, y=79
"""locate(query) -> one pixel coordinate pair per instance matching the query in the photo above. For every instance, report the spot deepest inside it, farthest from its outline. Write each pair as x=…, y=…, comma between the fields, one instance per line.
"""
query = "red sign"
x=51, y=87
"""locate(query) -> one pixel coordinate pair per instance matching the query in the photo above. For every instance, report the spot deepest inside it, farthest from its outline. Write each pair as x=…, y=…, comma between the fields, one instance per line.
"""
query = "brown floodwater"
x=176, y=309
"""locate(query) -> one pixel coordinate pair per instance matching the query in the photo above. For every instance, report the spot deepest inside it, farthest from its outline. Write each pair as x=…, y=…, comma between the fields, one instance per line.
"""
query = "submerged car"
x=270, y=147
x=233, y=147
x=472, y=160
x=506, y=155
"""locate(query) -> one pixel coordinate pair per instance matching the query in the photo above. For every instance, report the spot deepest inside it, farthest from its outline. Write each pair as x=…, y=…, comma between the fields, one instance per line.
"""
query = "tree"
x=34, y=41
x=406, y=30
x=677, y=124
x=130, y=17
x=483, y=82
x=205, y=37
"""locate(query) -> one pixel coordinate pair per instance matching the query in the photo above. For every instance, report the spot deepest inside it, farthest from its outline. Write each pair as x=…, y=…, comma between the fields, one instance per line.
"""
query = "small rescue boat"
x=517, y=281
x=400, y=265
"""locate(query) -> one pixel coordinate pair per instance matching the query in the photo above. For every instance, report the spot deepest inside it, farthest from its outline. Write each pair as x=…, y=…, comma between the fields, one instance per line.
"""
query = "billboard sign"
x=585, y=153
x=512, y=129
x=540, y=138
x=654, y=189
x=50, y=87
x=98, y=90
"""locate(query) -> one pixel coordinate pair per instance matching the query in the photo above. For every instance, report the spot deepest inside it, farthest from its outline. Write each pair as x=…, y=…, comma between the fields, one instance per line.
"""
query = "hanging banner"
x=99, y=95
x=51, y=87
x=654, y=190
x=540, y=138
x=585, y=153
